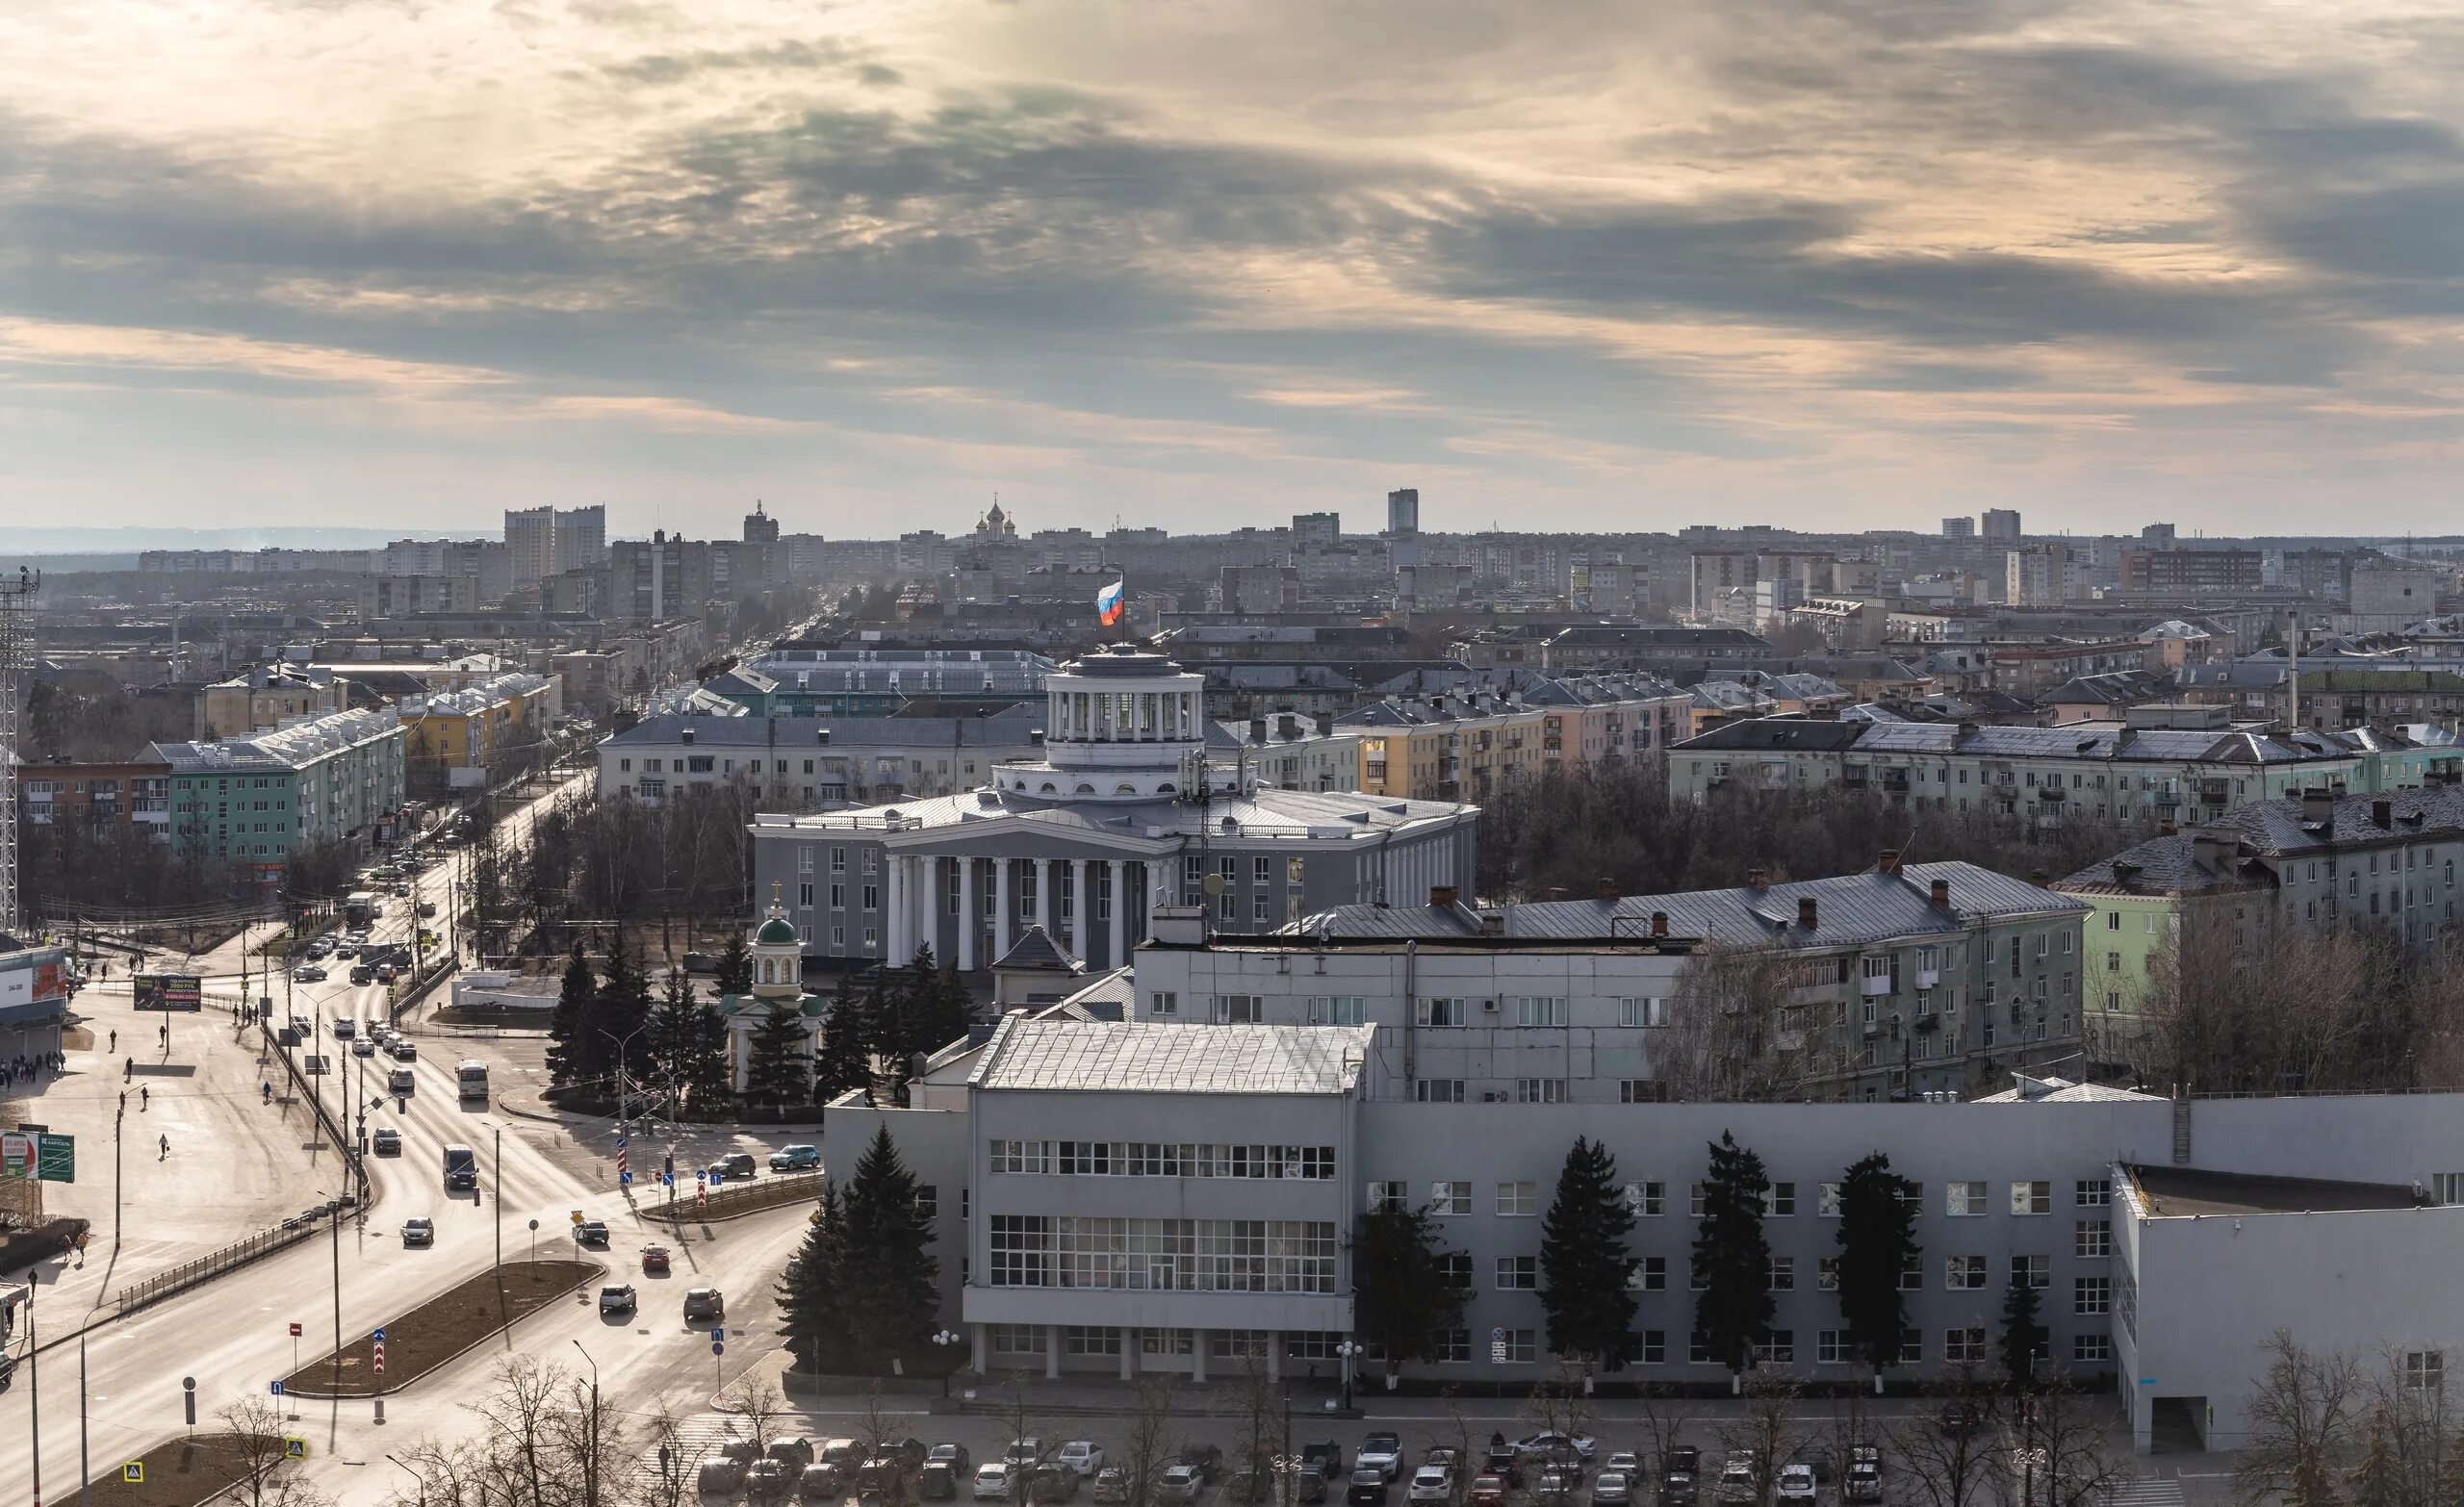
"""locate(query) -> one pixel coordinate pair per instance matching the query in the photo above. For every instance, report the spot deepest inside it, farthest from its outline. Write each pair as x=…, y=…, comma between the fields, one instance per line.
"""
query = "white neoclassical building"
x=1121, y=815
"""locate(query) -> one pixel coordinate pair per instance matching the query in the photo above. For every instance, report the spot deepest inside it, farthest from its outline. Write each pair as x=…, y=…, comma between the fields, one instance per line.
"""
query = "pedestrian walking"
x=115, y=1046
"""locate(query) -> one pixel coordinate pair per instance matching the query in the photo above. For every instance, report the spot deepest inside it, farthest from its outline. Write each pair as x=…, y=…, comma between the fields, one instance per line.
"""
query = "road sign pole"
x=85, y=1467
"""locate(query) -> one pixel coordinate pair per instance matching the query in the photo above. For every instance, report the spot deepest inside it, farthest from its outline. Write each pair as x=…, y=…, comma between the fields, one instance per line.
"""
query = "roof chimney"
x=821, y=736
x=2318, y=806
x=1942, y=894
x=1325, y=725
x=1889, y=863
x=1607, y=888
x=1758, y=879
x=1659, y=923
x=1808, y=916
x=1441, y=897
x=1288, y=726
x=686, y=736
x=1257, y=730
x=2382, y=813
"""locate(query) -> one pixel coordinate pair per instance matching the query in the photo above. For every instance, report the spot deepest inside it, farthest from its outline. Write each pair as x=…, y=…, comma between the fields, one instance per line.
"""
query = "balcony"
x=1874, y=987
x=1926, y=1022
x=1928, y=978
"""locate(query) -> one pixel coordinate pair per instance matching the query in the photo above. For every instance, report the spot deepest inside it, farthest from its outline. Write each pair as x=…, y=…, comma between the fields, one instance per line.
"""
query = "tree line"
x=2333, y=1427
x=864, y=1287
x=1564, y=833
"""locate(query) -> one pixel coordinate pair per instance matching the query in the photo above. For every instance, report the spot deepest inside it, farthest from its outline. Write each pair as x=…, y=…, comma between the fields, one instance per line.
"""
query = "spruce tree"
x=1584, y=1262
x=776, y=1070
x=941, y=1013
x=2023, y=1337
x=624, y=1009
x=735, y=966
x=889, y=1282
x=572, y=1027
x=810, y=1309
x=2378, y=1481
x=670, y=1037
x=2448, y=1491
x=2310, y=1486
x=1732, y=1258
x=1403, y=1300
x=1876, y=1242
x=707, y=1071
x=843, y=1066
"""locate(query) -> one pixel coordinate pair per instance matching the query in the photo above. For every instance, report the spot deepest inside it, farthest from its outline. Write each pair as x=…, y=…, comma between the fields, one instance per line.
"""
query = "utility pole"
x=589, y=1461
x=34, y=1392
x=85, y=1465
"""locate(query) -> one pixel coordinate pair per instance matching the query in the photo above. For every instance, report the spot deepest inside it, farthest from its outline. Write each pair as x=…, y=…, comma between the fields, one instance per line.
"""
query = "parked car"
x=1960, y=1418
x=820, y=1483
x=1624, y=1463
x=1052, y=1482
x=937, y=1482
x=1487, y=1491
x=880, y=1475
x=992, y=1482
x=1323, y=1456
x=1796, y=1484
x=955, y=1456
x=1612, y=1489
x=705, y=1305
x=1557, y=1489
x=1082, y=1455
x=1367, y=1489
x=1431, y=1483
x=1023, y=1453
x=1816, y=1457
x=1502, y=1462
x=654, y=1260
x=1382, y=1454
x=1863, y=1482
x=1681, y=1457
x=844, y=1453
x=616, y=1299
x=768, y=1480
x=795, y=1159
x=1308, y=1487
x=1737, y=1482
x=1676, y=1489
x=719, y=1477
x=419, y=1232
x=1564, y=1449
x=1182, y=1485
x=1207, y=1460
x=1111, y=1486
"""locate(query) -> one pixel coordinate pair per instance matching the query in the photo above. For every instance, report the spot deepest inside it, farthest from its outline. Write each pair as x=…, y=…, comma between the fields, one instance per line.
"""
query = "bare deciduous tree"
x=2301, y=1418
x=1732, y=1034
x=1950, y=1465
x=1766, y=1431
x=1152, y=1440
x=265, y=1479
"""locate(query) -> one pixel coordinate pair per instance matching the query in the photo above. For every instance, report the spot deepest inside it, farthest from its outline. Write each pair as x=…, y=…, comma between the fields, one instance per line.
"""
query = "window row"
x=1163, y=1254
x=1649, y=1199
x=1160, y=1159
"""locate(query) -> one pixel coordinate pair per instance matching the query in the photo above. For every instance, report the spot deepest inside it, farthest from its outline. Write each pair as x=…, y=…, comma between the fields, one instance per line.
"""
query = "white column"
x=1197, y=1356
x=966, y=905
x=1121, y=913
x=894, y=910
x=975, y=1349
x=1156, y=870
x=1128, y=1353
x=1005, y=907
x=1082, y=907
x=1043, y=895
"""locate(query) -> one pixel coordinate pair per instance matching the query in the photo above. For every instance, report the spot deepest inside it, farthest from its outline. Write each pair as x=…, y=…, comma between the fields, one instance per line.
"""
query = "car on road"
x=388, y=1142
x=992, y=1482
x=1612, y=1489
x=361, y=973
x=363, y=1047
x=1863, y=1482
x=591, y=1233
x=1366, y=1488
x=1182, y=1485
x=419, y=1232
x=1796, y=1484
x=654, y=1262
x=308, y=973
x=1382, y=1454
x=705, y=1305
x=405, y=1050
x=617, y=1297
x=399, y=1083
x=345, y=1028
x=1323, y=1456
x=739, y=1164
x=795, y=1159
x=1082, y=1455
x=428, y=908
x=1487, y=1491
x=1431, y=1483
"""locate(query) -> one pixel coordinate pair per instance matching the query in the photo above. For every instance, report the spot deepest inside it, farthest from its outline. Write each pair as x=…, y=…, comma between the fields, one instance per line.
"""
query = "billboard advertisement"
x=168, y=991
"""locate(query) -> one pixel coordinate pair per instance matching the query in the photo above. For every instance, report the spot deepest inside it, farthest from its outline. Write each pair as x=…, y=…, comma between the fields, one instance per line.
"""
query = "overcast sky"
x=1200, y=263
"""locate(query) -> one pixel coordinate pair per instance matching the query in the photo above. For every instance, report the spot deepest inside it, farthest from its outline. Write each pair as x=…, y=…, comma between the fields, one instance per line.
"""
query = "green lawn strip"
x=441, y=1329
x=180, y=1474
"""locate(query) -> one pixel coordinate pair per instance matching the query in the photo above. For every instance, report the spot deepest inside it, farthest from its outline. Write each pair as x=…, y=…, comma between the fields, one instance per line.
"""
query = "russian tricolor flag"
x=1109, y=605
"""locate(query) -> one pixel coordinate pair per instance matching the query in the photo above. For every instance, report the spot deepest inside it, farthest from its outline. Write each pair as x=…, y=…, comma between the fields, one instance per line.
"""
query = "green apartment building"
x=330, y=778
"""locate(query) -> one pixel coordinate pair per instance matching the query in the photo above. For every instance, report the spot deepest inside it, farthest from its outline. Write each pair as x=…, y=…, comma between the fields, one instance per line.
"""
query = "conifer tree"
x=889, y=1282
x=2023, y=1337
x=2377, y=1481
x=1584, y=1262
x=776, y=1069
x=1403, y=1299
x=809, y=1308
x=1732, y=1258
x=624, y=1009
x=572, y=1027
x=735, y=966
x=843, y=1066
x=669, y=1040
x=1876, y=1242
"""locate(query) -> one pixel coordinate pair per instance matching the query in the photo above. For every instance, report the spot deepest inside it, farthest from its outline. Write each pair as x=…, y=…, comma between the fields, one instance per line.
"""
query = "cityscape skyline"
x=2103, y=261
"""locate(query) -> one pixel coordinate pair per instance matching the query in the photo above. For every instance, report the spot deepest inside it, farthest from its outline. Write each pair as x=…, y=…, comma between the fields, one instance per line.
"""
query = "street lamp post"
x=334, y=1218
x=946, y=1338
x=623, y=1129
x=1347, y=1350
x=590, y=1461
x=416, y=1479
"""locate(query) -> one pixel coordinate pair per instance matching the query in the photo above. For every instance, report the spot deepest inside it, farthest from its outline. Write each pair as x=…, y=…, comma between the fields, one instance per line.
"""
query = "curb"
x=502, y=1329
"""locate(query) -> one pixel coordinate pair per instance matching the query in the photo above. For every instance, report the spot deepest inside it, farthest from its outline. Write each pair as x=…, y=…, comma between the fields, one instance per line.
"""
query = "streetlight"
x=590, y=1461
x=622, y=1101
x=945, y=1337
x=420, y=1480
x=334, y=1218
x=1347, y=1350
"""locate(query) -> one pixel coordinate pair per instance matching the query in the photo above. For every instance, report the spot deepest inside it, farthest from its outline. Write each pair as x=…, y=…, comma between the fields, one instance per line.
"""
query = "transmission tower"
x=17, y=668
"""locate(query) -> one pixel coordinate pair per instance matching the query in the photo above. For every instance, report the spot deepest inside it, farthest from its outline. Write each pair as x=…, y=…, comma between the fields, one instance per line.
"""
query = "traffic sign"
x=576, y=1216
x=717, y=1335
x=294, y=1331
x=717, y=1348
x=717, y=1178
x=1496, y=1336
x=624, y=1180
x=277, y=1389
x=379, y=1337
x=293, y=1447
x=132, y=1472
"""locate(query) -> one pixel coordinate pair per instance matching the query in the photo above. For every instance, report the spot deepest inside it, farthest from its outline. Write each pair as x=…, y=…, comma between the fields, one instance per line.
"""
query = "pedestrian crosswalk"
x=695, y=1439
x=2146, y=1490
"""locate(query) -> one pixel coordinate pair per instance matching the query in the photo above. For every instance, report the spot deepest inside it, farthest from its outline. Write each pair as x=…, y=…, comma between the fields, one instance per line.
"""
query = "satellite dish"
x=1212, y=884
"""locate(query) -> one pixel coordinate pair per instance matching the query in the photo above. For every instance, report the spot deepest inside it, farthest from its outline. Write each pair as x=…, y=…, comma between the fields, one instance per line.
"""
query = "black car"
x=1323, y=1456
x=593, y=1233
x=1960, y=1417
x=388, y=1142
x=1367, y=1489
x=1681, y=1457
x=1676, y=1489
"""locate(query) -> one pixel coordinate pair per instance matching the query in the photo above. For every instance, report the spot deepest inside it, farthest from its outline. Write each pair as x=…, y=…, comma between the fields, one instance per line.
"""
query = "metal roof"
x=1103, y=1056
x=1012, y=726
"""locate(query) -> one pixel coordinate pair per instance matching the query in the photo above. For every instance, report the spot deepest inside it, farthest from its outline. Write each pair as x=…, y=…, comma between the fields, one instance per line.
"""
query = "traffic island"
x=439, y=1330
x=181, y=1473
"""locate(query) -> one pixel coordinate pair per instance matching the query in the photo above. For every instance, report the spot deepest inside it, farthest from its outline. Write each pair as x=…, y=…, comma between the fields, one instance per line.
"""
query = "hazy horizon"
x=1566, y=267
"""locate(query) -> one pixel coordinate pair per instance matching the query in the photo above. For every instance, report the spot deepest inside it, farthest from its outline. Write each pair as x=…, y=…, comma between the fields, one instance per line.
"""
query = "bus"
x=471, y=1075
x=360, y=910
